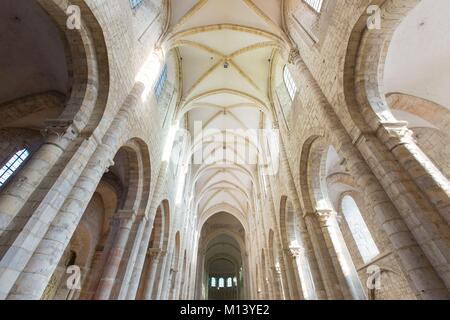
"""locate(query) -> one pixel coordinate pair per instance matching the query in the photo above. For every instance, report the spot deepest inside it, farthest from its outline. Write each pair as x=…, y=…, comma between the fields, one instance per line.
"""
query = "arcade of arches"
x=224, y=149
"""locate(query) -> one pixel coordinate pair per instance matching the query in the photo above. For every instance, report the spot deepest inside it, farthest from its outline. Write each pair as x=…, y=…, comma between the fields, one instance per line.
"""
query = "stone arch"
x=132, y=168
x=364, y=63
x=288, y=223
x=95, y=64
x=435, y=114
x=87, y=64
x=128, y=179
x=83, y=245
x=223, y=236
x=51, y=76
x=313, y=162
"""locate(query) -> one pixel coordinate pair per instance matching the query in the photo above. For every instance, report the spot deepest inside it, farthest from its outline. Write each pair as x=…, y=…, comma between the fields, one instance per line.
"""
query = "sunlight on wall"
x=364, y=241
x=149, y=72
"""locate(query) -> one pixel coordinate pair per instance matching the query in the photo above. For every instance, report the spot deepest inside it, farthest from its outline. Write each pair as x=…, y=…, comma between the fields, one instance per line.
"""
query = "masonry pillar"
x=17, y=193
x=309, y=260
x=278, y=283
x=398, y=139
x=106, y=284
x=129, y=264
x=53, y=228
x=157, y=279
x=172, y=284
x=154, y=254
x=165, y=282
x=342, y=261
x=409, y=229
x=325, y=262
x=296, y=255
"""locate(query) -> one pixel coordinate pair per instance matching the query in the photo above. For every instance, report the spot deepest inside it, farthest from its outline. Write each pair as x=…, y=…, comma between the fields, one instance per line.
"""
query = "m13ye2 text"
x=236, y=309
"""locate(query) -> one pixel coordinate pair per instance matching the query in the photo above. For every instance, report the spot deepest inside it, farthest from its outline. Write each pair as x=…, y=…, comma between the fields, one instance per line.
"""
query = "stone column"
x=310, y=260
x=325, y=262
x=291, y=276
x=26, y=180
x=200, y=272
x=164, y=283
x=157, y=279
x=410, y=229
x=41, y=245
x=125, y=220
x=87, y=292
x=153, y=254
x=32, y=281
x=278, y=283
x=342, y=262
x=130, y=275
x=306, y=285
x=173, y=283
x=399, y=140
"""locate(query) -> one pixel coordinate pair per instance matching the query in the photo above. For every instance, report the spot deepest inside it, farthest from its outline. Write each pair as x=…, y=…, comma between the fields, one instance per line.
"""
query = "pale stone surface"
x=111, y=192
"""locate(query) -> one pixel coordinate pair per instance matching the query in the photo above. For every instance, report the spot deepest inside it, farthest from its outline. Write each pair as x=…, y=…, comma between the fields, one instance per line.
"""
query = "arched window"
x=221, y=283
x=213, y=282
x=289, y=83
x=235, y=281
x=12, y=165
x=364, y=241
x=135, y=3
x=159, y=88
x=229, y=282
x=315, y=4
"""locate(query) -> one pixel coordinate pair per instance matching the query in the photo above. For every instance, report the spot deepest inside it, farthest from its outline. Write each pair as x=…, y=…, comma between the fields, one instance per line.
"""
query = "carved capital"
x=296, y=252
x=294, y=56
x=59, y=128
x=324, y=215
x=276, y=270
x=162, y=253
x=395, y=133
x=153, y=252
x=125, y=215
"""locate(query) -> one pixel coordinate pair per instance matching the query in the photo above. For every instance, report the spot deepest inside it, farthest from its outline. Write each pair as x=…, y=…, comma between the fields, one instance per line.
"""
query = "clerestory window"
x=13, y=165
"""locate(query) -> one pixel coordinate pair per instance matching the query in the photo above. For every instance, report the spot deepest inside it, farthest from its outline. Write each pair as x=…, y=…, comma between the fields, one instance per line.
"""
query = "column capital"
x=125, y=215
x=276, y=270
x=324, y=214
x=395, y=133
x=295, y=252
x=154, y=252
x=163, y=253
x=59, y=128
x=294, y=55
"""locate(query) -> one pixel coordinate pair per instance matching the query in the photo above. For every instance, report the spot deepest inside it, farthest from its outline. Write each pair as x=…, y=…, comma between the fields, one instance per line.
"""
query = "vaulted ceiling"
x=227, y=50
